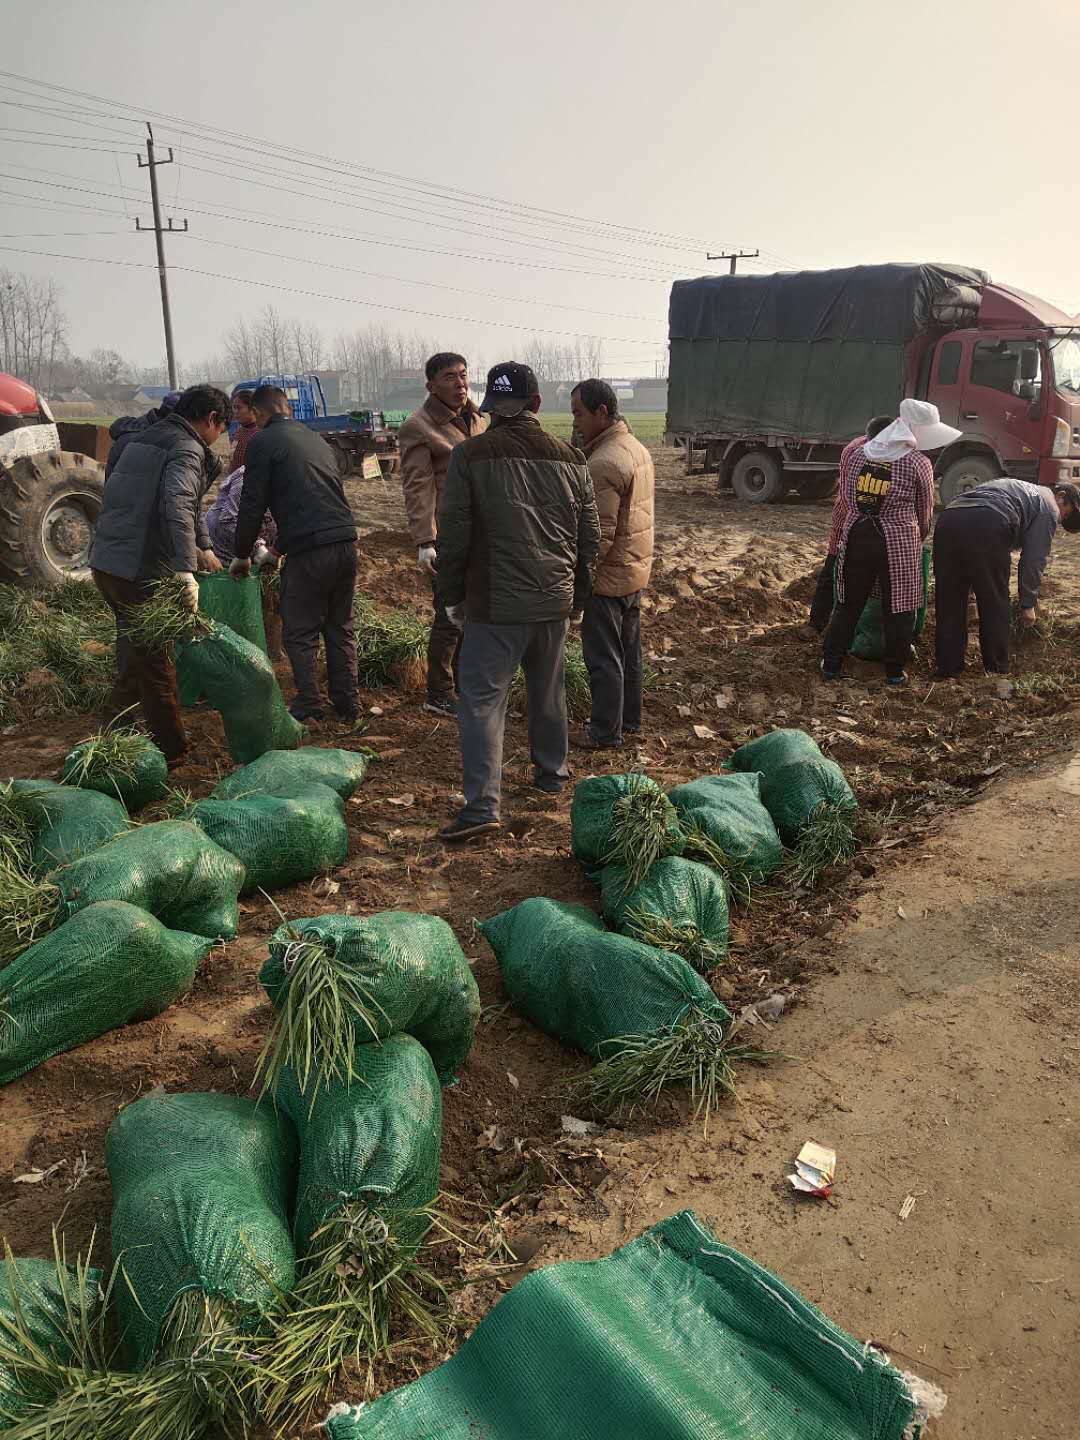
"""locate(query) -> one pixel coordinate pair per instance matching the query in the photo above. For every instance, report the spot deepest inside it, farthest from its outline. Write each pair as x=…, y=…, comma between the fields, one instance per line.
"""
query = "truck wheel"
x=965, y=474
x=49, y=506
x=342, y=456
x=757, y=478
x=816, y=487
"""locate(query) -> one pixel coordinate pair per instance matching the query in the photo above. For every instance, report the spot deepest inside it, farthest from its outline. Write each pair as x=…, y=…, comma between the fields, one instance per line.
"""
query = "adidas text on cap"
x=510, y=387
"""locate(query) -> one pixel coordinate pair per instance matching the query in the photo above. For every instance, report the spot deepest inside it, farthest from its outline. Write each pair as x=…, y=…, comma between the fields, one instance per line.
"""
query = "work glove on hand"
x=261, y=556
x=577, y=617
x=240, y=569
x=456, y=615
x=209, y=563
x=190, y=598
x=1027, y=615
x=425, y=558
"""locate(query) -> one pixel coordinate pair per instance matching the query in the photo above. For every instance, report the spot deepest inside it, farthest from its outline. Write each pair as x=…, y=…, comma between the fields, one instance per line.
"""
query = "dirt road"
x=938, y=1045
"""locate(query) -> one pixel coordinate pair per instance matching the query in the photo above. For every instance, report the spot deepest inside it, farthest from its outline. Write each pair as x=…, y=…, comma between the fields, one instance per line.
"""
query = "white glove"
x=260, y=554
x=425, y=558
x=577, y=617
x=239, y=568
x=190, y=599
x=456, y=615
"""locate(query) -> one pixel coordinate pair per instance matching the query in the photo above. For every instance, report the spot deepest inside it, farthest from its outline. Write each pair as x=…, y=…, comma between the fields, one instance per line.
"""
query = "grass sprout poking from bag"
x=641, y=823
x=29, y=907
x=164, y=619
x=118, y=760
x=826, y=839
x=17, y=825
x=737, y=872
x=683, y=939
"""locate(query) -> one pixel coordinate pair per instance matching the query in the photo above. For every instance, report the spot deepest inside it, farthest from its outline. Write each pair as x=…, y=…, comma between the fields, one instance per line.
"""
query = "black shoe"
x=896, y=682
x=631, y=729
x=549, y=784
x=586, y=740
x=830, y=675
x=444, y=705
x=305, y=715
x=348, y=715
x=459, y=829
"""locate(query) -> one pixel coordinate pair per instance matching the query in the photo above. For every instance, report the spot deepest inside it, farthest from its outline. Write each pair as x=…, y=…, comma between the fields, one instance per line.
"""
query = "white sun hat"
x=930, y=431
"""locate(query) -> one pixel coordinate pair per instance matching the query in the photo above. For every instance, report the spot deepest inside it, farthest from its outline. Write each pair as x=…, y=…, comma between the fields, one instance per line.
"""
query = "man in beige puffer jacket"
x=624, y=481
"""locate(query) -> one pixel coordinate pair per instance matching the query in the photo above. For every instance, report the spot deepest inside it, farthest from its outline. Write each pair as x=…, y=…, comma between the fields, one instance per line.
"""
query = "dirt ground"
x=931, y=987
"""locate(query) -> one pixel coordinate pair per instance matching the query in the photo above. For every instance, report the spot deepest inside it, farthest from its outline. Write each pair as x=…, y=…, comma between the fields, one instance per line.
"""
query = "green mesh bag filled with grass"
x=172, y=869
x=120, y=762
x=623, y=820
x=336, y=981
x=795, y=793
x=238, y=681
x=109, y=964
x=369, y=1173
x=649, y=1019
x=673, y=1337
x=67, y=822
x=42, y=1303
x=779, y=747
x=278, y=840
x=680, y=906
x=727, y=825
x=283, y=772
x=202, y=1188
x=235, y=603
x=868, y=642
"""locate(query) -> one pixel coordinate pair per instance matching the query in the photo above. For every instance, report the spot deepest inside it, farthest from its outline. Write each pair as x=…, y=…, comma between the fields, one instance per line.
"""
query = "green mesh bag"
x=235, y=603
x=145, y=782
x=595, y=817
x=32, y=1300
x=680, y=906
x=779, y=747
x=202, y=1187
x=586, y=985
x=284, y=771
x=728, y=810
x=172, y=869
x=410, y=969
x=376, y=1140
x=109, y=964
x=791, y=793
x=67, y=821
x=673, y=1337
x=279, y=841
x=239, y=682
x=868, y=642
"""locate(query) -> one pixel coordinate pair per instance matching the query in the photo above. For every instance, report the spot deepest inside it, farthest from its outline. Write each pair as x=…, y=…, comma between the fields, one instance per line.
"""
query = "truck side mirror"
x=1029, y=363
x=1026, y=390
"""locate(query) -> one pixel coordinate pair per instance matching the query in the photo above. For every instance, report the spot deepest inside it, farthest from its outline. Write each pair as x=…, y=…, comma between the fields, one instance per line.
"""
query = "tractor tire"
x=965, y=474
x=757, y=478
x=49, y=506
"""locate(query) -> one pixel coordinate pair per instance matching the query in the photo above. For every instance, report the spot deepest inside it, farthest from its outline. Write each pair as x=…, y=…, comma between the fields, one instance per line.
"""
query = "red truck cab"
x=1012, y=385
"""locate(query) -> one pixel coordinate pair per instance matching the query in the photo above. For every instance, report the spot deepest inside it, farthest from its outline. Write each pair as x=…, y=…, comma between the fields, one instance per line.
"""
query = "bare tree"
x=33, y=328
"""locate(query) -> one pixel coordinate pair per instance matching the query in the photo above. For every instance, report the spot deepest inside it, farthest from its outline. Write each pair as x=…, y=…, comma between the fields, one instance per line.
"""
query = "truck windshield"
x=1066, y=357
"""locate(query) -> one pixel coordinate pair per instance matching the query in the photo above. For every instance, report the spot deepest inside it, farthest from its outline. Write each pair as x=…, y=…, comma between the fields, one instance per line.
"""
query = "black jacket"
x=151, y=522
x=518, y=528
x=122, y=430
x=292, y=472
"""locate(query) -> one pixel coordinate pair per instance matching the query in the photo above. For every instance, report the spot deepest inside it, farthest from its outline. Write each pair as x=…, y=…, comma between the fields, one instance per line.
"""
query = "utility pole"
x=734, y=256
x=151, y=164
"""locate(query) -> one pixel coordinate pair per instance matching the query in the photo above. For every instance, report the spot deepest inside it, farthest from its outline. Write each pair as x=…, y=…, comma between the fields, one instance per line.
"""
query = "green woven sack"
x=231, y=602
x=239, y=682
x=793, y=792
x=283, y=772
x=409, y=969
x=727, y=809
x=202, y=1187
x=171, y=869
x=278, y=841
x=673, y=1337
x=680, y=906
x=145, y=782
x=779, y=747
x=32, y=1300
x=868, y=642
x=109, y=964
x=605, y=804
x=586, y=985
x=67, y=822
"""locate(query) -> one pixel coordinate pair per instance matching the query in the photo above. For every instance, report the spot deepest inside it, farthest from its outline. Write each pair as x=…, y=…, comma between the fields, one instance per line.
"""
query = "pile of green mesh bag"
x=800, y=787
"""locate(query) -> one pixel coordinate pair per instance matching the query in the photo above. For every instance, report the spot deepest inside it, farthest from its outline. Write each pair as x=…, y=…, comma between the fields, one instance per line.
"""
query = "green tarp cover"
x=673, y=1337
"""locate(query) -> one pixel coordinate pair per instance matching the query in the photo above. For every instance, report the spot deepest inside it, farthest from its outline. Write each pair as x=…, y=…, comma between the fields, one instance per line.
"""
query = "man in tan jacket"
x=446, y=418
x=623, y=480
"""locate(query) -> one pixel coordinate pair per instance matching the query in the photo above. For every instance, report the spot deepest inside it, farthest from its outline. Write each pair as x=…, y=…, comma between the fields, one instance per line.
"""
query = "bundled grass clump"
x=390, y=646
x=677, y=937
x=740, y=872
x=17, y=825
x=29, y=908
x=163, y=619
x=57, y=651
x=118, y=760
x=826, y=839
x=642, y=822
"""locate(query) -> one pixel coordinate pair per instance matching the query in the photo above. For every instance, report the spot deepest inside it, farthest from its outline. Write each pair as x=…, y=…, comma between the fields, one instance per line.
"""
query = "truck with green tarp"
x=771, y=375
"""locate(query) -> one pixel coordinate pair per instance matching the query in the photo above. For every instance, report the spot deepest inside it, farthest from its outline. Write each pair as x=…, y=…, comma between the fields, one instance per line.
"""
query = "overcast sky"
x=823, y=135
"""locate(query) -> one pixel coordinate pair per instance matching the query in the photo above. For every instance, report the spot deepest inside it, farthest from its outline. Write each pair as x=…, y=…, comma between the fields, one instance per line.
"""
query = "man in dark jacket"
x=292, y=472
x=518, y=540
x=151, y=525
x=122, y=430
x=973, y=541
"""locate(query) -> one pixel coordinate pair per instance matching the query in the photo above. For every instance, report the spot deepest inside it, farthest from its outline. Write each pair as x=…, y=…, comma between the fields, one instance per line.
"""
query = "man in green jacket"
x=518, y=540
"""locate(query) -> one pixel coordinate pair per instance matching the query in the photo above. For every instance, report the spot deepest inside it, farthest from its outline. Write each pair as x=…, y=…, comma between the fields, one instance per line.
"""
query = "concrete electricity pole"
x=733, y=257
x=151, y=164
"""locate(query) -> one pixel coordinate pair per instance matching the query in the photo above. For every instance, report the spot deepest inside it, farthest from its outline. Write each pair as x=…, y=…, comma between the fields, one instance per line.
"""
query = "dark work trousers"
x=866, y=561
x=444, y=648
x=821, y=607
x=971, y=552
x=490, y=656
x=148, y=676
x=317, y=590
x=611, y=645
